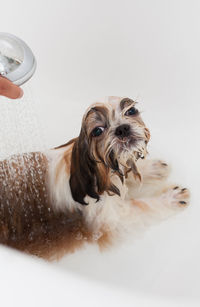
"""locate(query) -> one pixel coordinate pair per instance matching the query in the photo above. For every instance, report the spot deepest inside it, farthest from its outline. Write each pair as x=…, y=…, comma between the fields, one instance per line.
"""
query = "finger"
x=10, y=90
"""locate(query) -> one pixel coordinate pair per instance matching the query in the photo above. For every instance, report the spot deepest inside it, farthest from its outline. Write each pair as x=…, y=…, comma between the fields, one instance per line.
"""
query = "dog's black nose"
x=122, y=131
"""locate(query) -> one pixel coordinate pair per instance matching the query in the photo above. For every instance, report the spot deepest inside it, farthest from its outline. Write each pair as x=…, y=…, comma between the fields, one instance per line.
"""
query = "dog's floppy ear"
x=83, y=168
x=87, y=175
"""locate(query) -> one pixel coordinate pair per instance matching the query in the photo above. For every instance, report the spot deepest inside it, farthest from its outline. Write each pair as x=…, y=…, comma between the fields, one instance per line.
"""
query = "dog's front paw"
x=156, y=170
x=177, y=196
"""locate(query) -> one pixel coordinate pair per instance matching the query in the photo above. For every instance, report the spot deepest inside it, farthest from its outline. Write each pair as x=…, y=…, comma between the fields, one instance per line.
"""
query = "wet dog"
x=94, y=189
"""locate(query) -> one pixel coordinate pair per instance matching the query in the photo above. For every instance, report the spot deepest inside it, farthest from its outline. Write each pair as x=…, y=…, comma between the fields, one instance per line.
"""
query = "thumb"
x=10, y=90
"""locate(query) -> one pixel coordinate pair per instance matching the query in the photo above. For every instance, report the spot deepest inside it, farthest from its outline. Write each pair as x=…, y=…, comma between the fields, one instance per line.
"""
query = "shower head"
x=17, y=62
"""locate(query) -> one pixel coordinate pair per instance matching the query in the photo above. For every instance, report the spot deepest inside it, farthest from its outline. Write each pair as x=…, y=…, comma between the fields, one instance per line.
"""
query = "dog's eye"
x=131, y=111
x=97, y=131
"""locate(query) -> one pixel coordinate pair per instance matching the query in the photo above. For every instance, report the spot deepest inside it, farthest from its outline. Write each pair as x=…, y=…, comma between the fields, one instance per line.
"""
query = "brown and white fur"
x=95, y=188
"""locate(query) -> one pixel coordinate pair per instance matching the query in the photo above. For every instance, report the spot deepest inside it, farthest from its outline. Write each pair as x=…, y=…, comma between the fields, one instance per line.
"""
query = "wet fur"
x=54, y=202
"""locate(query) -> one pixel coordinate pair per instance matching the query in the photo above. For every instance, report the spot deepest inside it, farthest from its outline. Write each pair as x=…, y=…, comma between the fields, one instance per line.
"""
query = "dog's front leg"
x=171, y=200
x=153, y=176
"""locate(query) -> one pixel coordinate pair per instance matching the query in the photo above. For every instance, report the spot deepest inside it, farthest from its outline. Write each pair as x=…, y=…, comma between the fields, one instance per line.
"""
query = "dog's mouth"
x=122, y=153
x=127, y=142
x=135, y=146
x=124, y=162
x=125, y=153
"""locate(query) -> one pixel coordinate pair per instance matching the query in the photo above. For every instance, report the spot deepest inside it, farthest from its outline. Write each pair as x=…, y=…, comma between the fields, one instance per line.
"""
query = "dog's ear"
x=82, y=177
x=87, y=175
x=147, y=134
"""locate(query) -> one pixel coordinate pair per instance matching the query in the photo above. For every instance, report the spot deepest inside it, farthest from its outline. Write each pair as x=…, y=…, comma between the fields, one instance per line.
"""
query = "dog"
x=93, y=189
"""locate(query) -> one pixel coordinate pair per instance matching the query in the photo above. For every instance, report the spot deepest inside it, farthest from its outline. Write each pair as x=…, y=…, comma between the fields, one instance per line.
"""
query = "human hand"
x=10, y=90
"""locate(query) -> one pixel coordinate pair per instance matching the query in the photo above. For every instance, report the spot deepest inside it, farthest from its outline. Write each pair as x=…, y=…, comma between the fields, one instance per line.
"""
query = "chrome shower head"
x=17, y=62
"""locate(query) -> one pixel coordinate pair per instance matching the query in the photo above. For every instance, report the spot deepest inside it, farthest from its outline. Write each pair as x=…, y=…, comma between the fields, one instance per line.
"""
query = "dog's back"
x=28, y=221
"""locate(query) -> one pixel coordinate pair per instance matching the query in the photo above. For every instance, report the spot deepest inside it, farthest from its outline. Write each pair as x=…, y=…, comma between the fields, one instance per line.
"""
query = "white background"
x=146, y=50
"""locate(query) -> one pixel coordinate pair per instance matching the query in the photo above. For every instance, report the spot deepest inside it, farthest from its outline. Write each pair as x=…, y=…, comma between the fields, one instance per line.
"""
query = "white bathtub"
x=148, y=50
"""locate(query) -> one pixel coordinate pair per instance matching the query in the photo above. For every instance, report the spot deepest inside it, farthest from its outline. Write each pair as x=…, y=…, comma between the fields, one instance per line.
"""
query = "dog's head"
x=112, y=138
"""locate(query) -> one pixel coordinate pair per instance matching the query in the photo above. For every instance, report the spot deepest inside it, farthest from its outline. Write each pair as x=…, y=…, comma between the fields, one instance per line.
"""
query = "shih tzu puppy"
x=95, y=188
